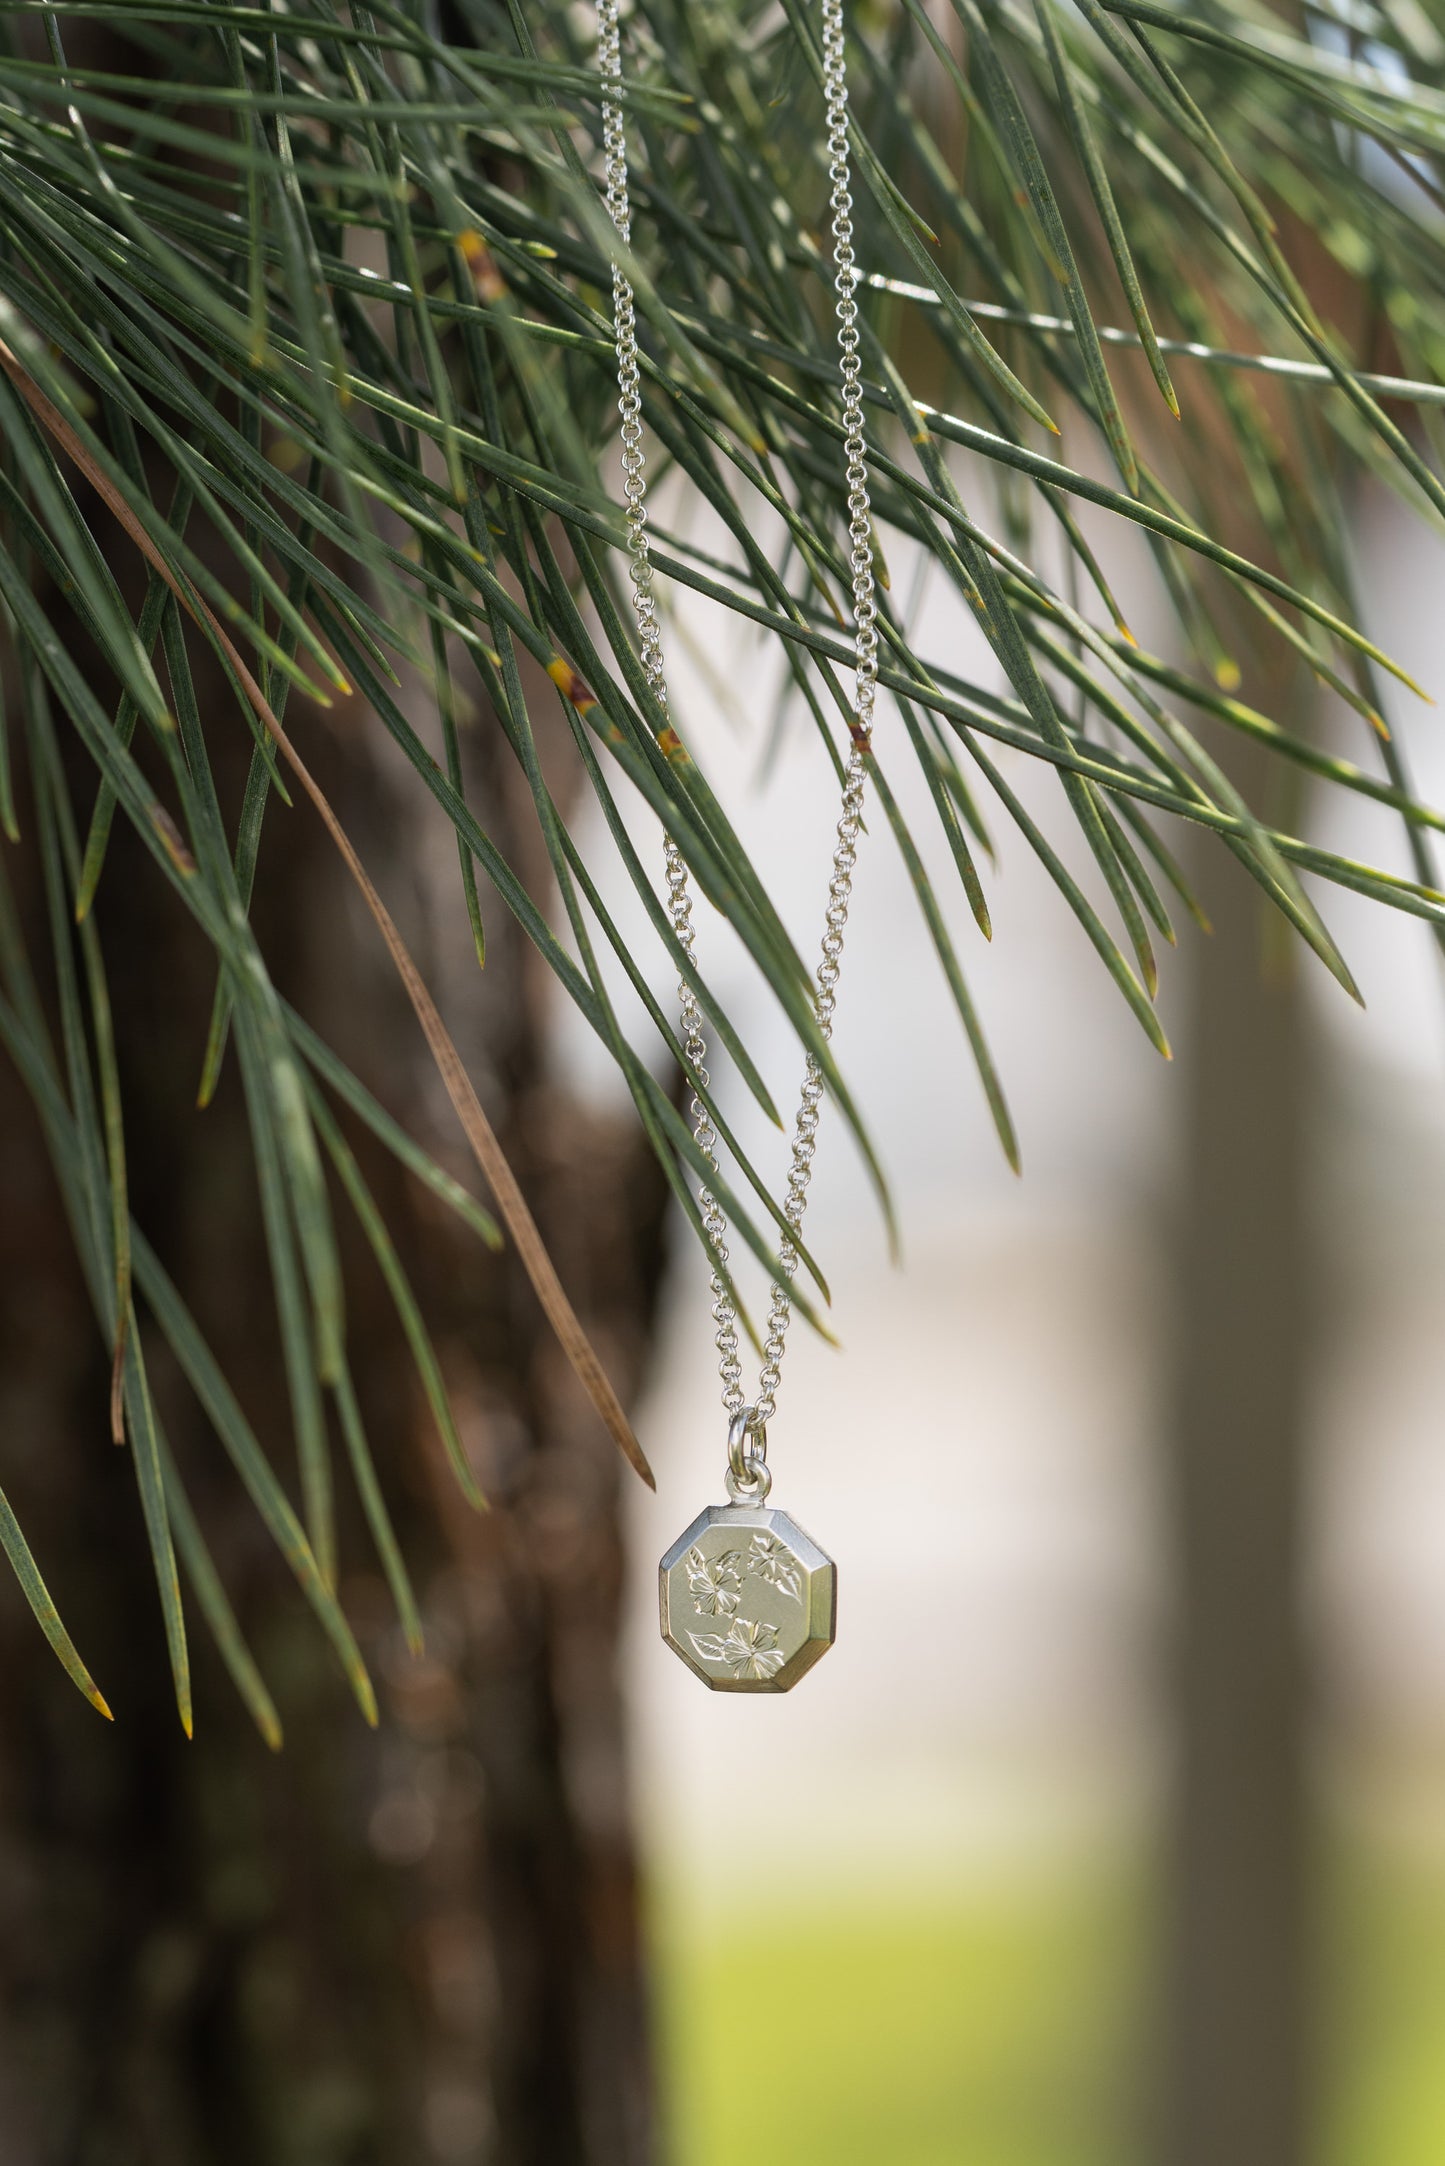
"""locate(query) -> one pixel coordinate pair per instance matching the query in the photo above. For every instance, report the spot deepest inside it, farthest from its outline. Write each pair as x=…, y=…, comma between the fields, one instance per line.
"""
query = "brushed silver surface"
x=747, y=1599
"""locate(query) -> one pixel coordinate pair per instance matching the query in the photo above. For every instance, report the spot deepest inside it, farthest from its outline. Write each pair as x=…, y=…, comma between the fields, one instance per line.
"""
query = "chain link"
x=865, y=628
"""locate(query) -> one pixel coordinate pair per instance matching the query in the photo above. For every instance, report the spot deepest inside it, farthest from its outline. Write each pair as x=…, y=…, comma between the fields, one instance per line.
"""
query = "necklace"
x=747, y=1599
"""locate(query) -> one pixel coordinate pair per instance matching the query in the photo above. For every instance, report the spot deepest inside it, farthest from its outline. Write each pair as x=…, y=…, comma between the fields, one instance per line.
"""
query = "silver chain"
x=748, y=1437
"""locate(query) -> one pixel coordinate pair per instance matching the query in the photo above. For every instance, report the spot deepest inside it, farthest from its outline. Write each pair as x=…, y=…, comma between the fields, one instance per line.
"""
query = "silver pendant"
x=745, y=1597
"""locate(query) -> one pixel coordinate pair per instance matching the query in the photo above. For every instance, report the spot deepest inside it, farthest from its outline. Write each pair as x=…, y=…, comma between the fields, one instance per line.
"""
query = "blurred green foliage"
x=1005, y=2023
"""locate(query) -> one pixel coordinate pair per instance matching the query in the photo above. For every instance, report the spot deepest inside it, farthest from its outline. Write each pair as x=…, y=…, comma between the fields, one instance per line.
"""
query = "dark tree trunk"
x=1234, y=2077
x=1239, y=2075
x=377, y=1949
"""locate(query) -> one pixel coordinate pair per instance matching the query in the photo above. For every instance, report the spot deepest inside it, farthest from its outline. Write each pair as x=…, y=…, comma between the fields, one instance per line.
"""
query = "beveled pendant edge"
x=822, y=1595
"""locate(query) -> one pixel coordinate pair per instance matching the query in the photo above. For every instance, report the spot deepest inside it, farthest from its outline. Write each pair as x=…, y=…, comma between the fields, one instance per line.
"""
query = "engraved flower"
x=769, y=1560
x=746, y=1650
x=713, y=1582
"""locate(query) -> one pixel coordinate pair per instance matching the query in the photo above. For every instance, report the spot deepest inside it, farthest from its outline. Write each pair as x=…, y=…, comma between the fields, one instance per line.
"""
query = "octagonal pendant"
x=747, y=1599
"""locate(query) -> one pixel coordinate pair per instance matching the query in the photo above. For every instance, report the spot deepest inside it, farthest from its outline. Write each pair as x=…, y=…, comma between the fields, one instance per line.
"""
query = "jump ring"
x=748, y=1479
x=756, y=1482
x=747, y=1439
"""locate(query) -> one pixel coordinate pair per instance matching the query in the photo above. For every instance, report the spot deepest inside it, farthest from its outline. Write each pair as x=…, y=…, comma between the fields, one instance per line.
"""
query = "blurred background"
x=1113, y=1828
x=1115, y=1822
x=1112, y=1831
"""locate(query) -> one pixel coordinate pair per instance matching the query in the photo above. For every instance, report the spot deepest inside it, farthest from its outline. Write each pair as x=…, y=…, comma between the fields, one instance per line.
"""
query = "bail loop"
x=747, y=1480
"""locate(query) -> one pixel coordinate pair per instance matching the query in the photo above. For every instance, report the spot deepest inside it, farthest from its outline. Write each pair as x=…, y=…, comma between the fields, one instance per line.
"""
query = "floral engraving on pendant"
x=747, y=1650
x=714, y=1582
x=769, y=1560
x=747, y=1599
